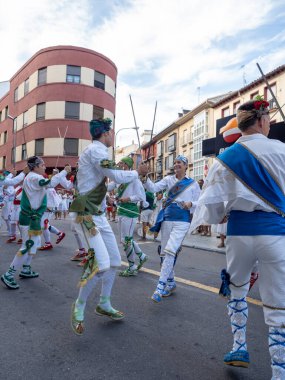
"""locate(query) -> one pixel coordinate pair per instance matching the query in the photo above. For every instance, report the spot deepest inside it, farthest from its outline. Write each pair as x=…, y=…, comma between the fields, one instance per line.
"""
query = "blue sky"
x=164, y=49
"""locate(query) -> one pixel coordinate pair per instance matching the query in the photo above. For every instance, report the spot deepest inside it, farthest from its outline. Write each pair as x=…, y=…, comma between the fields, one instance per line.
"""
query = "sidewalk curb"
x=222, y=251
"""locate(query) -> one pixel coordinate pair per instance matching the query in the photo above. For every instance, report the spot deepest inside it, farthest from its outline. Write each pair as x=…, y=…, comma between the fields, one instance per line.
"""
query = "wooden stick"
x=271, y=92
x=135, y=123
x=151, y=135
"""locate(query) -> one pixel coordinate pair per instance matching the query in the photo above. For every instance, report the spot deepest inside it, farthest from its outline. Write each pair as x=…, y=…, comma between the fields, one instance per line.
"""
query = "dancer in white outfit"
x=33, y=205
x=250, y=178
x=128, y=196
x=104, y=256
x=174, y=220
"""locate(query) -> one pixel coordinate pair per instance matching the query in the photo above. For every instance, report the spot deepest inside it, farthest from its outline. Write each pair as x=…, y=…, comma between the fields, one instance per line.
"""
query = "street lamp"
x=115, y=139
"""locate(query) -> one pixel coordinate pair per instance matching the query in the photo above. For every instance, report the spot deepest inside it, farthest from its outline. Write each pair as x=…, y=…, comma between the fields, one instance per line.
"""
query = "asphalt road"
x=183, y=337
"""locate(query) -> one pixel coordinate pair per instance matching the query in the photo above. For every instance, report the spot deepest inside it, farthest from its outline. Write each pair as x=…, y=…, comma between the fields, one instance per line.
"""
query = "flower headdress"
x=253, y=109
x=260, y=106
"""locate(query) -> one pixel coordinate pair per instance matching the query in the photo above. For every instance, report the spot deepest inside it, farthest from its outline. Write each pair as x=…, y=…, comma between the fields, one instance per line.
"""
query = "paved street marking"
x=194, y=284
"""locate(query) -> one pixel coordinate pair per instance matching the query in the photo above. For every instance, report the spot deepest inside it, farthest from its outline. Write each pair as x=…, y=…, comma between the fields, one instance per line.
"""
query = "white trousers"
x=172, y=236
x=6, y=209
x=242, y=253
x=46, y=215
x=104, y=243
x=146, y=216
x=126, y=227
x=15, y=213
x=25, y=236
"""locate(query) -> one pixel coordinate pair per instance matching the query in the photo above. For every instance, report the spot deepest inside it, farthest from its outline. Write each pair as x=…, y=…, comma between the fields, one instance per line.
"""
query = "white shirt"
x=12, y=181
x=223, y=192
x=90, y=173
x=134, y=191
x=34, y=191
x=53, y=199
x=190, y=194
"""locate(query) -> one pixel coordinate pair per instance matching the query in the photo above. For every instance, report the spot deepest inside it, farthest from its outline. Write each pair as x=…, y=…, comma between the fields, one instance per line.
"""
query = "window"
x=236, y=106
x=198, y=171
x=99, y=80
x=24, y=152
x=6, y=112
x=73, y=74
x=159, y=167
x=254, y=95
x=4, y=162
x=41, y=111
x=26, y=86
x=191, y=155
x=39, y=147
x=172, y=142
x=166, y=146
x=198, y=148
x=70, y=147
x=16, y=95
x=199, y=128
x=25, y=119
x=5, y=137
x=0, y=116
x=226, y=112
x=72, y=110
x=42, y=75
x=170, y=161
x=166, y=165
x=269, y=97
x=160, y=149
x=184, y=138
x=98, y=112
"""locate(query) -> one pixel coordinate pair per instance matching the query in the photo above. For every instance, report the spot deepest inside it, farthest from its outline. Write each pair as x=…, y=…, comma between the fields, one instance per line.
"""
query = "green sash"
x=128, y=209
x=89, y=204
x=122, y=188
x=30, y=217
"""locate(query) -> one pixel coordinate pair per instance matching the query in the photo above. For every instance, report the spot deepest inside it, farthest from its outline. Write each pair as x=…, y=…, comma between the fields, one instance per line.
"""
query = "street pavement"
x=183, y=337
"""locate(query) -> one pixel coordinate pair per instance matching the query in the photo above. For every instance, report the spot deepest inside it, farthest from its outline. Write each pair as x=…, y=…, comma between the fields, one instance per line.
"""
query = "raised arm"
x=157, y=186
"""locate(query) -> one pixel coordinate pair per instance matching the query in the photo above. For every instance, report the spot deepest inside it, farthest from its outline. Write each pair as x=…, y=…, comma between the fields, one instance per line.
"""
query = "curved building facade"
x=49, y=105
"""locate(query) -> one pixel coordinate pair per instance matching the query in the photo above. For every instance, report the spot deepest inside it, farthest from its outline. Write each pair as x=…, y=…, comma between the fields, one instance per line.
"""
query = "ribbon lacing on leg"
x=233, y=309
x=273, y=342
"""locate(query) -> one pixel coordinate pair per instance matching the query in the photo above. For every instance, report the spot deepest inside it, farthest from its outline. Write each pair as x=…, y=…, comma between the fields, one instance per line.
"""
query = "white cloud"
x=164, y=49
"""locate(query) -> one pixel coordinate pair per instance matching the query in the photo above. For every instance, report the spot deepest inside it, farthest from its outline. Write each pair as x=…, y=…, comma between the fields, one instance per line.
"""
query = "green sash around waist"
x=89, y=204
x=128, y=209
x=30, y=217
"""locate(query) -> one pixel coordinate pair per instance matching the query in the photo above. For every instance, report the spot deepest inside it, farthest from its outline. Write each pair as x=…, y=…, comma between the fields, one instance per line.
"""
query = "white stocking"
x=108, y=279
x=12, y=229
x=46, y=235
x=84, y=293
x=277, y=352
x=238, y=313
x=18, y=262
x=54, y=230
x=166, y=268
